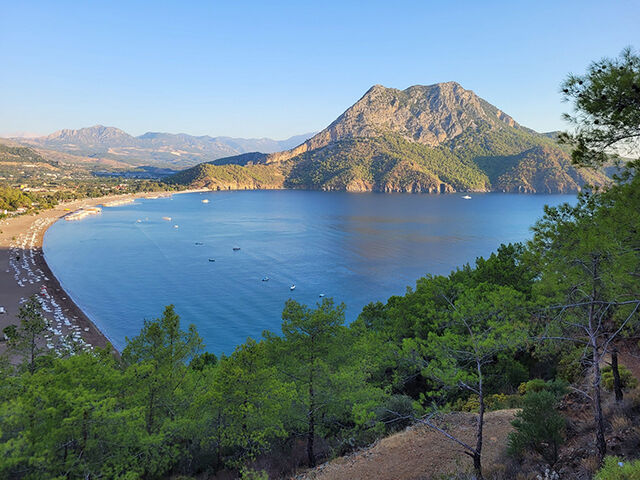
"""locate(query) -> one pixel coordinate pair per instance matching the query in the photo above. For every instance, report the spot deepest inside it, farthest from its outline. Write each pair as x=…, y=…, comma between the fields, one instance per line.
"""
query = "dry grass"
x=590, y=465
x=620, y=422
x=420, y=453
x=632, y=399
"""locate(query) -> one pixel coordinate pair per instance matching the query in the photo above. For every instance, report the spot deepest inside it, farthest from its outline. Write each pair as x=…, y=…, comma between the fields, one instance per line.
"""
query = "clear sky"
x=275, y=69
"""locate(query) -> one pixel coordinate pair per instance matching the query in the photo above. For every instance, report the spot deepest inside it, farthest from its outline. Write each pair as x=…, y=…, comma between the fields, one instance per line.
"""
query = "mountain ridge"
x=425, y=138
x=176, y=150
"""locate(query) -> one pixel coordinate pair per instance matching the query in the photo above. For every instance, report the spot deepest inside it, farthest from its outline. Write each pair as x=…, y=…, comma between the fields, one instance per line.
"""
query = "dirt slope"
x=420, y=453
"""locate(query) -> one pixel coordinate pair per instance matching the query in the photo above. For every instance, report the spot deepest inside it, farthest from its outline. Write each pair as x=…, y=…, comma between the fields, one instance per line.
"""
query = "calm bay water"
x=356, y=248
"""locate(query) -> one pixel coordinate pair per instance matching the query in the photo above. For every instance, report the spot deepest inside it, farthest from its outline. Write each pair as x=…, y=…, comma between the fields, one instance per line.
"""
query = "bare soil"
x=421, y=453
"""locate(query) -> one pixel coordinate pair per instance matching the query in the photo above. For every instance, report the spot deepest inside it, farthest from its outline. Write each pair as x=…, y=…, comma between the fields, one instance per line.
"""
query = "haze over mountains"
x=154, y=148
x=435, y=138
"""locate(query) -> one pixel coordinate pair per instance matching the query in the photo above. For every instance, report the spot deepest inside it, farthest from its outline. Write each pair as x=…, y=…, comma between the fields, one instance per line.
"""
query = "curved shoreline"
x=24, y=272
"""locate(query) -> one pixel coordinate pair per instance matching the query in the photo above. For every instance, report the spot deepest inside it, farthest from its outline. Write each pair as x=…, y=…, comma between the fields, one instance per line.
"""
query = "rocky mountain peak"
x=98, y=134
x=425, y=114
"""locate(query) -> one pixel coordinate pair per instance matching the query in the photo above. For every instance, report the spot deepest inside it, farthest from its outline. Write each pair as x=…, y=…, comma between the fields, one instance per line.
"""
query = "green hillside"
x=388, y=163
x=14, y=153
x=229, y=177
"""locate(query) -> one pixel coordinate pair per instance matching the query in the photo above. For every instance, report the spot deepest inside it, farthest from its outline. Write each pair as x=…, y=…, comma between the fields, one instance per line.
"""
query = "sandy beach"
x=24, y=272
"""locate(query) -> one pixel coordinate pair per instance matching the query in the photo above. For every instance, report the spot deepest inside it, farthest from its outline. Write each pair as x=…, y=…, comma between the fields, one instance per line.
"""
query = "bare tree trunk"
x=617, y=384
x=477, y=466
x=601, y=443
x=477, y=455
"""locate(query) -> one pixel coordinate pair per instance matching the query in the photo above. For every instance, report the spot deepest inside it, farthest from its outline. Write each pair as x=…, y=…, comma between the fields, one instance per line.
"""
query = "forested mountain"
x=154, y=148
x=436, y=138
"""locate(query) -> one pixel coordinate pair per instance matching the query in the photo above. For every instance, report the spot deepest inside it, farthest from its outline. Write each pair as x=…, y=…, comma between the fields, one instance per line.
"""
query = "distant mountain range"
x=436, y=138
x=153, y=148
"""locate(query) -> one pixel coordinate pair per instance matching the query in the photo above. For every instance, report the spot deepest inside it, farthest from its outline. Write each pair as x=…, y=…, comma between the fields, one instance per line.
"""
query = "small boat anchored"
x=206, y=200
x=265, y=279
x=321, y=295
x=467, y=197
x=235, y=249
x=199, y=243
x=212, y=259
x=292, y=287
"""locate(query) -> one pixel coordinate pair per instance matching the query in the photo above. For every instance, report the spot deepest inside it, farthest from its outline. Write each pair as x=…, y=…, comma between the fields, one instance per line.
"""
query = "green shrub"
x=496, y=401
x=557, y=387
x=396, y=413
x=535, y=385
x=570, y=367
x=506, y=374
x=472, y=404
x=627, y=379
x=538, y=426
x=251, y=474
x=500, y=401
x=616, y=469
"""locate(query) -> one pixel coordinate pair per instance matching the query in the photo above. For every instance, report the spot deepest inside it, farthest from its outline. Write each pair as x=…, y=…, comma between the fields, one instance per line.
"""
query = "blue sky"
x=275, y=69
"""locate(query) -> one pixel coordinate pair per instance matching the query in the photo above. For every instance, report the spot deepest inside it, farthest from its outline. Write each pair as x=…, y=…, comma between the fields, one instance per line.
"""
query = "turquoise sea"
x=126, y=264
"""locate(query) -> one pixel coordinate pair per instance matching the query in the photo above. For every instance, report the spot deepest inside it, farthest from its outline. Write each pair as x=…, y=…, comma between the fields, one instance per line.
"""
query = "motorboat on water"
x=467, y=197
x=292, y=287
x=199, y=243
x=321, y=295
x=265, y=279
x=235, y=249
x=212, y=259
x=205, y=200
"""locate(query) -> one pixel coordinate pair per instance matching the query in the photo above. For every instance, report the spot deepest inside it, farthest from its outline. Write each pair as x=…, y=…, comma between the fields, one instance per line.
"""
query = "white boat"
x=205, y=200
x=292, y=287
x=467, y=197
x=175, y=226
x=168, y=219
x=321, y=295
x=265, y=279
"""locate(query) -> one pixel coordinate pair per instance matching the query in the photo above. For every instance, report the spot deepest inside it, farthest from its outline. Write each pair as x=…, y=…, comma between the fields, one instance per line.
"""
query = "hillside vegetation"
x=230, y=177
x=388, y=163
x=11, y=152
